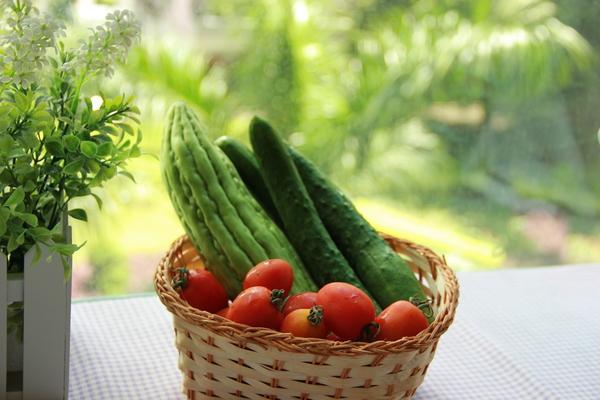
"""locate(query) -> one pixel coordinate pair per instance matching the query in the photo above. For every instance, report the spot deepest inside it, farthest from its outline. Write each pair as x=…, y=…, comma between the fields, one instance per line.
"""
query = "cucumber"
x=220, y=216
x=384, y=273
x=300, y=219
x=246, y=165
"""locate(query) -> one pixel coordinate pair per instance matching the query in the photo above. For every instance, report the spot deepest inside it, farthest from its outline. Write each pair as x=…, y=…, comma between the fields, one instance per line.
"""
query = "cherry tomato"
x=200, y=289
x=347, y=309
x=301, y=300
x=224, y=312
x=186, y=255
x=272, y=274
x=305, y=322
x=400, y=319
x=257, y=306
x=196, y=264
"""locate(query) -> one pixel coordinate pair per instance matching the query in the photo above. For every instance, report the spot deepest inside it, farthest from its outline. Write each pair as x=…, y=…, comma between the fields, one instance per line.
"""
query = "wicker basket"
x=225, y=360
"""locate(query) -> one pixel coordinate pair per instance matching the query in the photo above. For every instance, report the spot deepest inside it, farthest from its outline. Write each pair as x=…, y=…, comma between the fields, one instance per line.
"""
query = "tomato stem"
x=370, y=331
x=180, y=279
x=424, y=305
x=315, y=315
x=278, y=298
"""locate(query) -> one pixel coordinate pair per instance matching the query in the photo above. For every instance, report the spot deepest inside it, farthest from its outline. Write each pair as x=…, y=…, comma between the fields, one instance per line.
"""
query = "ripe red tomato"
x=272, y=274
x=257, y=306
x=347, y=309
x=305, y=322
x=224, y=312
x=301, y=300
x=400, y=319
x=200, y=289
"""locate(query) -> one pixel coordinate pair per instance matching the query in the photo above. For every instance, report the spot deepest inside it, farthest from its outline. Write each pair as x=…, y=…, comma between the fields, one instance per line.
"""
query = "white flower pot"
x=37, y=368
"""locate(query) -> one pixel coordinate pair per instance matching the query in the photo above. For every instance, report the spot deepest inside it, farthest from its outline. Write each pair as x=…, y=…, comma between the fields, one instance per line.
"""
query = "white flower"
x=109, y=43
x=25, y=42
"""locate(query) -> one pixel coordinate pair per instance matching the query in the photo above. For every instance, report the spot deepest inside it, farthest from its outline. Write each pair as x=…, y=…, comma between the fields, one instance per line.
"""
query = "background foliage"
x=468, y=126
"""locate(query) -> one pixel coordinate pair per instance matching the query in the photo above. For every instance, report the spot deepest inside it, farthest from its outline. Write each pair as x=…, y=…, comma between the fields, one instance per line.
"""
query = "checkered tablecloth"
x=519, y=334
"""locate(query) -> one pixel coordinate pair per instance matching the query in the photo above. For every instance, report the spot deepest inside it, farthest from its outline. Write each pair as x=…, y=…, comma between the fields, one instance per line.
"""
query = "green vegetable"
x=246, y=165
x=220, y=216
x=383, y=272
x=301, y=221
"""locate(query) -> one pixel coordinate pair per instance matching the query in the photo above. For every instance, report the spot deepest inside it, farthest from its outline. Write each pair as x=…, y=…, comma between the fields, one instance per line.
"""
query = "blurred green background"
x=468, y=126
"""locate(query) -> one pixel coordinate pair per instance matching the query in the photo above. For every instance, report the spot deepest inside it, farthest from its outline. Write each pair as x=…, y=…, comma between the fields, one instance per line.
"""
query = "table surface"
x=530, y=333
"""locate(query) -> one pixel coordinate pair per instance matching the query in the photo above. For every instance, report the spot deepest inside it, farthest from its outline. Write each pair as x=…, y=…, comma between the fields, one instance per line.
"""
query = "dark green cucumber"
x=384, y=273
x=220, y=216
x=300, y=219
x=246, y=165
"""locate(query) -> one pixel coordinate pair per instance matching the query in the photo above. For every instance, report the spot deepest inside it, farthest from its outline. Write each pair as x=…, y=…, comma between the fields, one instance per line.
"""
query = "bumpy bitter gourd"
x=221, y=217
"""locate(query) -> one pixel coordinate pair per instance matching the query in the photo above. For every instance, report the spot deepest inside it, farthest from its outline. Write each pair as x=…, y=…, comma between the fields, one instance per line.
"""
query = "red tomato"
x=272, y=274
x=224, y=312
x=257, y=306
x=200, y=289
x=301, y=300
x=400, y=319
x=347, y=309
x=305, y=322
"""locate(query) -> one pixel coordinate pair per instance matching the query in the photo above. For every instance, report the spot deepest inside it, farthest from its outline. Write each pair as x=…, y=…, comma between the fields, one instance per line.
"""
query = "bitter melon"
x=220, y=216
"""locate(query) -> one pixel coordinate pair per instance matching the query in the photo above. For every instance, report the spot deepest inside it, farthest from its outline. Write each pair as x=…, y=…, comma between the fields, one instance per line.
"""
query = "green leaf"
x=128, y=175
x=12, y=243
x=29, y=186
x=29, y=219
x=74, y=166
x=22, y=101
x=21, y=238
x=66, y=267
x=140, y=136
x=151, y=155
x=135, y=152
x=16, y=198
x=54, y=146
x=98, y=200
x=3, y=219
x=66, y=249
x=6, y=178
x=17, y=152
x=93, y=166
x=30, y=139
x=105, y=149
x=110, y=172
x=71, y=142
x=37, y=255
x=78, y=213
x=109, y=129
x=6, y=144
x=126, y=128
x=40, y=233
x=88, y=148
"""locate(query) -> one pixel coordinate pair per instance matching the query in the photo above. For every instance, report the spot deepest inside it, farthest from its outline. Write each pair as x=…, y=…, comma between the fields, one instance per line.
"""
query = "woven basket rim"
x=266, y=338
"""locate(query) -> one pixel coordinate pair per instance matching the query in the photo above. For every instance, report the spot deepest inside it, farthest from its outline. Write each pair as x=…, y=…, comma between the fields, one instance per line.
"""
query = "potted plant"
x=57, y=143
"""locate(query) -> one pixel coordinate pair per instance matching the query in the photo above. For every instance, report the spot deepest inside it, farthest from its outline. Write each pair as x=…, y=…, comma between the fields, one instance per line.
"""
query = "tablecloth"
x=529, y=333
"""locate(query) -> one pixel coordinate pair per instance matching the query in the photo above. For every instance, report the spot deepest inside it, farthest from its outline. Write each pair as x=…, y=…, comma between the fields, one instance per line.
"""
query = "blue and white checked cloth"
x=518, y=334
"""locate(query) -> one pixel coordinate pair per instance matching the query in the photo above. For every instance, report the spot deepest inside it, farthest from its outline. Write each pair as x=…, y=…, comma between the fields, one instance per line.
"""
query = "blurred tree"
x=484, y=109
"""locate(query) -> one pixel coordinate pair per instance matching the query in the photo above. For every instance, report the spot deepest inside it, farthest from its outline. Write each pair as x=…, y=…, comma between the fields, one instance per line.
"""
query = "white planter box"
x=39, y=369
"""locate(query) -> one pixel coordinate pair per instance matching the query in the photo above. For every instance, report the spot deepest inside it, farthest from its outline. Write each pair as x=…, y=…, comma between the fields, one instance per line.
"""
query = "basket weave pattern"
x=225, y=360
